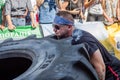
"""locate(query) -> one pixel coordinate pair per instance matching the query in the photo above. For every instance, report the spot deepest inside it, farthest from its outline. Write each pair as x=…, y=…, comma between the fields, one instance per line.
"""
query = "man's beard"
x=62, y=37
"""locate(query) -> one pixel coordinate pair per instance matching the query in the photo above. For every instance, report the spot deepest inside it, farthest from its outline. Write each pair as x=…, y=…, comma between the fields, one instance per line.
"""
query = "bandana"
x=62, y=21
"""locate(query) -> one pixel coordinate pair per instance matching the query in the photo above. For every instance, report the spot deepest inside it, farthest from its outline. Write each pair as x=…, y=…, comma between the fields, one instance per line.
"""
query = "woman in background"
x=111, y=11
x=35, y=11
x=75, y=7
x=47, y=12
x=93, y=17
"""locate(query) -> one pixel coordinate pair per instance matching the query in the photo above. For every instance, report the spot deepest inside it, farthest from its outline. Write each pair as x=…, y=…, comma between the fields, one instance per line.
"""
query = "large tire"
x=44, y=59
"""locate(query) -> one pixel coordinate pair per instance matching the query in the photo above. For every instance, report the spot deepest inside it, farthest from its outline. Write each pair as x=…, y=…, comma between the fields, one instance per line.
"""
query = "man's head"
x=63, y=24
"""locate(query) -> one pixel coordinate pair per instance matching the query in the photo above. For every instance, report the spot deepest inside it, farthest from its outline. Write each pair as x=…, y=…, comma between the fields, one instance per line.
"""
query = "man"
x=106, y=65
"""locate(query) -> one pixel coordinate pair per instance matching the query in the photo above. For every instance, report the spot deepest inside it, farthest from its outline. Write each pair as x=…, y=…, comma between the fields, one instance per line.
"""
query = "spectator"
x=106, y=65
x=2, y=16
x=90, y=4
x=36, y=13
x=75, y=7
x=47, y=11
x=16, y=11
x=110, y=11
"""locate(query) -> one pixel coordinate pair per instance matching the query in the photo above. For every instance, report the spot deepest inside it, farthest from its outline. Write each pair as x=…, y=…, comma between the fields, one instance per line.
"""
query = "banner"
x=20, y=32
x=114, y=37
x=47, y=29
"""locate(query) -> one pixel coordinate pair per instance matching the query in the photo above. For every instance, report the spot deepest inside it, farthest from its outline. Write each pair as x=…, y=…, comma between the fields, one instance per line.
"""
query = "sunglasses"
x=57, y=27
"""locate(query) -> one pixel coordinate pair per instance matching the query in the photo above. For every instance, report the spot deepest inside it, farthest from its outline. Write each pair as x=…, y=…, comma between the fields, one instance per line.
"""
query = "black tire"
x=44, y=59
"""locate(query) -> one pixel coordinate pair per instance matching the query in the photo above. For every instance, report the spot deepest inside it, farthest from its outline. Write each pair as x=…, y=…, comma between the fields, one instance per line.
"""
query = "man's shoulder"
x=77, y=34
x=80, y=31
x=83, y=35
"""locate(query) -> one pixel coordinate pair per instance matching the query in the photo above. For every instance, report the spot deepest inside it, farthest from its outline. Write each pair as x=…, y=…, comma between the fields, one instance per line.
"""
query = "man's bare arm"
x=98, y=63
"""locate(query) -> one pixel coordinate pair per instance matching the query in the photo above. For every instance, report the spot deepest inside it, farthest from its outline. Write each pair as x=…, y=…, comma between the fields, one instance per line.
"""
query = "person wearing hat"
x=106, y=65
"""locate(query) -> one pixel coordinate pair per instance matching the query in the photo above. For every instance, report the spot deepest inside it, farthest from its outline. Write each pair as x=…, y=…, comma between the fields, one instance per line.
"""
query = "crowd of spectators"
x=20, y=13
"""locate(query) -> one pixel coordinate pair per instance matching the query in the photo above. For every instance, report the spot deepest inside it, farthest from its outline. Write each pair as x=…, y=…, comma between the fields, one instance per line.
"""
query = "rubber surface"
x=51, y=59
